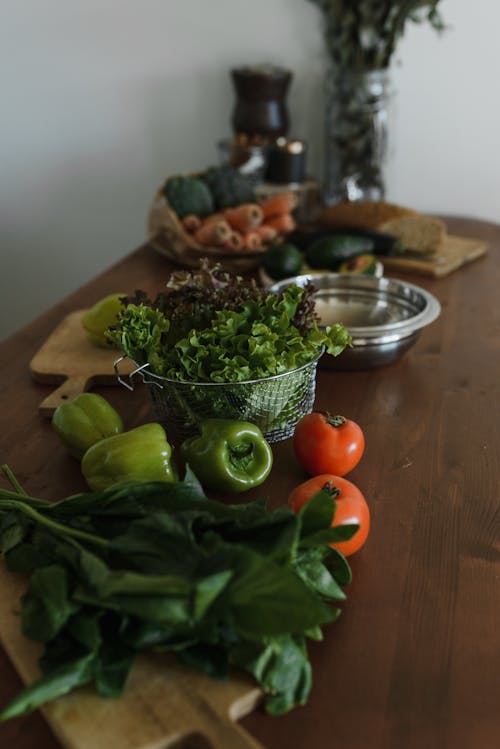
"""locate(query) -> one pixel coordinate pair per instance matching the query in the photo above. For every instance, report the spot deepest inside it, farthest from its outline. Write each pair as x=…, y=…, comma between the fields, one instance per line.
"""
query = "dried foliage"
x=362, y=34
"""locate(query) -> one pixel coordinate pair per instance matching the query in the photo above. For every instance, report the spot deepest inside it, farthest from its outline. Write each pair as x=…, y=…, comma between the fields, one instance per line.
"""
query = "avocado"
x=283, y=260
x=361, y=264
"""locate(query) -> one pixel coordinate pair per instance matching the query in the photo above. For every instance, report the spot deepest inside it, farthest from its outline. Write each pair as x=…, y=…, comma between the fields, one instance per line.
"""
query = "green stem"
x=58, y=528
x=13, y=481
x=31, y=501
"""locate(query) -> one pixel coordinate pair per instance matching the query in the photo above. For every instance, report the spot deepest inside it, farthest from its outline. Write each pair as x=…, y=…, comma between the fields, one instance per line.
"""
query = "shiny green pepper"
x=141, y=454
x=228, y=455
x=85, y=420
x=100, y=317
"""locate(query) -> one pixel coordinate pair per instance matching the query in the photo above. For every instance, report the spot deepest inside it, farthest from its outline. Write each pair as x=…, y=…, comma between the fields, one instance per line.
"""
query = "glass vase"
x=357, y=106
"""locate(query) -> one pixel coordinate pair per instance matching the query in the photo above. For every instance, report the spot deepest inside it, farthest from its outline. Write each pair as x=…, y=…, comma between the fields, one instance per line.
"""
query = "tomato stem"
x=331, y=489
x=334, y=421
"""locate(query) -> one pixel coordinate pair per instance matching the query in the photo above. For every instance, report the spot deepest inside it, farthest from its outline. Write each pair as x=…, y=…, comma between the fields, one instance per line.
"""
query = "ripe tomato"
x=328, y=444
x=351, y=507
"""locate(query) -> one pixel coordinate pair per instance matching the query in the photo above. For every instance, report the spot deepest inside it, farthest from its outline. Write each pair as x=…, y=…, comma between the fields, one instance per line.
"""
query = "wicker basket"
x=168, y=237
x=274, y=403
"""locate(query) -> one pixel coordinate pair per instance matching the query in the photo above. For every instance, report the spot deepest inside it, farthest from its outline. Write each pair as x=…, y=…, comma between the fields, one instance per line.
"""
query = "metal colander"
x=274, y=403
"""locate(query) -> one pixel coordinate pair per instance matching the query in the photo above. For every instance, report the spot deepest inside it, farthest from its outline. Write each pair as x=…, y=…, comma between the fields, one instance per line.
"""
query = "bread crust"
x=419, y=233
x=364, y=214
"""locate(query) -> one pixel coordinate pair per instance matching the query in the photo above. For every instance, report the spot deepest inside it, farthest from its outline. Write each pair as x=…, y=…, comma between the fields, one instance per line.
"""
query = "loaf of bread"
x=416, y=231
x=423, y=234
x=368, y=214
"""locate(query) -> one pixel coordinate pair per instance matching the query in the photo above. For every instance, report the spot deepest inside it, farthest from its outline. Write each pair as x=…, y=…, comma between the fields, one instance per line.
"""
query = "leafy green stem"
x=29, y=501
x=13, y=481
x=58, y=528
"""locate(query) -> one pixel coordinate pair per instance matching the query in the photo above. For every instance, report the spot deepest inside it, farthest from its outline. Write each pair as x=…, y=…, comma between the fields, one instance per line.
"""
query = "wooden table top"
x=414, y=659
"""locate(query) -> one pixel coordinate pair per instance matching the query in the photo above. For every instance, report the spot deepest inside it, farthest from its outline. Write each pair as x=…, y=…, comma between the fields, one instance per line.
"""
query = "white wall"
x=102, y=99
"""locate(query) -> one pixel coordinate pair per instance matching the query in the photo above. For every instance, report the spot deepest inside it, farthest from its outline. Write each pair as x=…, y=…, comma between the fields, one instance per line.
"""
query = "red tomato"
x=328, y=444
x=351, y=507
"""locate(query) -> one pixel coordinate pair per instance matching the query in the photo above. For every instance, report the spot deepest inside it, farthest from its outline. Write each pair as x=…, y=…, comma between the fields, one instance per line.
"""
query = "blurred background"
x=103, y=99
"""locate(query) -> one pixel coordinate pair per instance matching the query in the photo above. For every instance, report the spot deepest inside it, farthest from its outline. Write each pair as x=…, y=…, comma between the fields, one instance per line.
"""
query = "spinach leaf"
x=46, y=604
x=265, y=598
x=316, y=575
x=54, y=684
x=25, y=557
x=211, y=659
x=282, y=667
x=13, y=530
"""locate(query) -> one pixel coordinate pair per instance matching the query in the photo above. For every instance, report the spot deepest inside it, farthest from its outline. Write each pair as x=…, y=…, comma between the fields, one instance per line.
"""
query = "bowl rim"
x=430, y=312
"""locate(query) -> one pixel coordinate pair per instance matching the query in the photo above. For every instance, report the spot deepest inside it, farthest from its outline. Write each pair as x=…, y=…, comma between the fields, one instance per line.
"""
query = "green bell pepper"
x=141, y=454
x=100, y=317
x=84, y=421
x=228, y=455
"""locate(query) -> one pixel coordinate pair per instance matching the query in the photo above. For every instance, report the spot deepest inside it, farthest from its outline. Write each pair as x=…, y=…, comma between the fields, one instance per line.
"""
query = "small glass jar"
x=357, y=107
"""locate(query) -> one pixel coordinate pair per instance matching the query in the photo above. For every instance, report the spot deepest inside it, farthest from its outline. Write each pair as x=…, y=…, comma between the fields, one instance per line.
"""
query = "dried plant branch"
x=362, y=35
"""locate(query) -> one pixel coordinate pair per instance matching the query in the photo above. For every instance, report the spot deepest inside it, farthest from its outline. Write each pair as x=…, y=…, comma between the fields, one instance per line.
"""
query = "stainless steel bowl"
x=383, y=315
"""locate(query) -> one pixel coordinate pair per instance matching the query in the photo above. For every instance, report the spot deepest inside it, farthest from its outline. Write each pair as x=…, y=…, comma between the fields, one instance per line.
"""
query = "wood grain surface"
x=413, y=661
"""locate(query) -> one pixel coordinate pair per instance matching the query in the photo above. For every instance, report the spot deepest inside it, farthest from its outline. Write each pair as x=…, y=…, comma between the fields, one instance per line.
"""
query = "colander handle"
x=139, y=370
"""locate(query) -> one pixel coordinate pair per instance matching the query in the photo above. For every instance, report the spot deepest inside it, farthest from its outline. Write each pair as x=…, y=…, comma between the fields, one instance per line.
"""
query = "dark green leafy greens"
x=210, y=326
x=158, y=565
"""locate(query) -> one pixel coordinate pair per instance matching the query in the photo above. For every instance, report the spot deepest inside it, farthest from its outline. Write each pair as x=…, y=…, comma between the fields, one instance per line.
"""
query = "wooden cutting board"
x=162, y=704
x=455, y=252
x=70, y=360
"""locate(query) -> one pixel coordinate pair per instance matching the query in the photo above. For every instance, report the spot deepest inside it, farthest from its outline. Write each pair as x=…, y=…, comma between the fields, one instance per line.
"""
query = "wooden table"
x=413, y=661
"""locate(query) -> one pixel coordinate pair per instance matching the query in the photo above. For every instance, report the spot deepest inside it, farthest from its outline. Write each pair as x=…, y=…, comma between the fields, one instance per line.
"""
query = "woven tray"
x=168, y=237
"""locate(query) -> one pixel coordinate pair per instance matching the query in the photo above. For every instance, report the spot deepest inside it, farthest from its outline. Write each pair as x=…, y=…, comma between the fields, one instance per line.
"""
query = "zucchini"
x=382, y=244
x=329, y=252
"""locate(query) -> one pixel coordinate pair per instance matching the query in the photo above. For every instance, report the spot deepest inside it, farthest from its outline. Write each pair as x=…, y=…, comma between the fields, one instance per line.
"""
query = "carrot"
x=267, y=233
x=234, y=241
x=244, y=217
x=252, y=241
x=213, y=232
x=214, y=217
x=283, y=224
x=191, y=222
x=277, y=205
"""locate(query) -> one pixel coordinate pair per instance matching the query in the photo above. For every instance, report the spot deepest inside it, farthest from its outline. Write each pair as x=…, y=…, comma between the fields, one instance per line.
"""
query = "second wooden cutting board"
x=455, y=252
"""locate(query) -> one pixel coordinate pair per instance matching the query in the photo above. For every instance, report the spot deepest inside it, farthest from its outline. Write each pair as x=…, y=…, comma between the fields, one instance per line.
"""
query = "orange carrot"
x=283, y=224
x=277, y=205
x=244, y=217
x=252, y=241
x=214, y=217
x=234, y=241
x=267, y=233
x=191, y=222
x=213, y=232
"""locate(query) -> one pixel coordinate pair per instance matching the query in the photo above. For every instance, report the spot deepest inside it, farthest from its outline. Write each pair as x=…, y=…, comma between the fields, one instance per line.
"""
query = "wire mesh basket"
x=275, y=404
